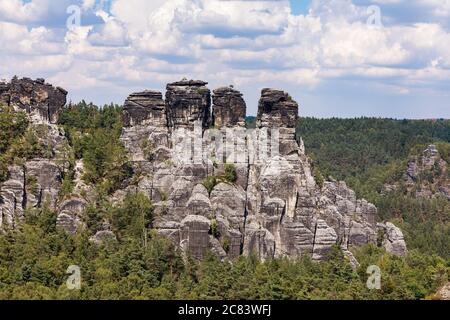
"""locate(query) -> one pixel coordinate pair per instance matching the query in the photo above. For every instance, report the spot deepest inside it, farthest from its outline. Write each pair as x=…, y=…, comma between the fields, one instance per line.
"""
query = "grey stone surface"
x=39, y=99
x=394, y=241
x=229, y=108
x=70, y=215
x=427, y=174
x=274, y=208
x=36, y=182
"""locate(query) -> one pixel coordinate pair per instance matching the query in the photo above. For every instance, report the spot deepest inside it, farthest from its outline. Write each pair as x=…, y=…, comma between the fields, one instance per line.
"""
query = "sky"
x=337, y=58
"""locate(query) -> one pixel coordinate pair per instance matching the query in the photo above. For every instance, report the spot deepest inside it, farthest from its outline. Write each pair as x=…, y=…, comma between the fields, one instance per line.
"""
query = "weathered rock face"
x=12, y=195
x=146, y=126
x=444, y=292
x=4, y=93
x=70, y=214
x=229, y=108
x=277, y=109
x=427, y=174
x=273, y=208
x=145, y=107
x=221, y=189
x=32, y=185
x=394, y=242
x=188, y=101
x=37, y=182
x=41, y=100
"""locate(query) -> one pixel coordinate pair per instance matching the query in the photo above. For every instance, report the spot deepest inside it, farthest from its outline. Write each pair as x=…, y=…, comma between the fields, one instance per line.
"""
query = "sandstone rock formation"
x=215, y=185
x=36, y=182
x=427, y=174
x=444, y=293
x=277, y=108
x=39, y=99
x=145, y=107
x=273, y=208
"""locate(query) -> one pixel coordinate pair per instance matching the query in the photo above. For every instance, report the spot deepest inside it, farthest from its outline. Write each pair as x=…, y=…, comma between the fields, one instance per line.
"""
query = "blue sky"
x=323, y=52
x=300, y=6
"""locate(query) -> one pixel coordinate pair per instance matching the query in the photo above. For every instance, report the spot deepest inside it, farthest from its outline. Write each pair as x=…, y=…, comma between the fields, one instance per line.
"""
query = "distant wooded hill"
x=370, y=153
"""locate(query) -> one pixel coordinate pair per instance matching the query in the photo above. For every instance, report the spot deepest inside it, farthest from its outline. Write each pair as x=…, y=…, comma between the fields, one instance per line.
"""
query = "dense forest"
x=367, y=153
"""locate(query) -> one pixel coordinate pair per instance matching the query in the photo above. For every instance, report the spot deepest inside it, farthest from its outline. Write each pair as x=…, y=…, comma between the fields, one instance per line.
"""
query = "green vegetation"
x=320, y=180
x=133, y=216
x=210, y=183
x=32, y=144
x=12, y=126
x=250, y=122
x=19, y=141
x=94, y=133
x=372, y=153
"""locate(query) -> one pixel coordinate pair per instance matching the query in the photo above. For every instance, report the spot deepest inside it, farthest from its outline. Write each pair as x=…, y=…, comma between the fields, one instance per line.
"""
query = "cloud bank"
x=330, y=59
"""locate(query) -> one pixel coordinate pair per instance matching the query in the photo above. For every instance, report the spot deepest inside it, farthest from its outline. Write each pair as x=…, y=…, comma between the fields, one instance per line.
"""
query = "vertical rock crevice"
x=243, y=214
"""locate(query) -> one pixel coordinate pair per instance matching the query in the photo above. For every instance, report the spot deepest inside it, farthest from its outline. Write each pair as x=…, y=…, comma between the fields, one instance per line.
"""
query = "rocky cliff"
x=274, y=207
x=215, y=185
x=428, y=174
x=33, y=182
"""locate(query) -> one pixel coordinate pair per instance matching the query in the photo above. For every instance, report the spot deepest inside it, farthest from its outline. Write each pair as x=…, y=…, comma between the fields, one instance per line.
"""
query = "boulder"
x=147, y=107
x=70, y=215
x=101, y=236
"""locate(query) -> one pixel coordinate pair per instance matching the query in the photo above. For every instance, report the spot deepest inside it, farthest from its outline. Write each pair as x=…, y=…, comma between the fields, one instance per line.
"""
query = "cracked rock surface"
x=271, y=206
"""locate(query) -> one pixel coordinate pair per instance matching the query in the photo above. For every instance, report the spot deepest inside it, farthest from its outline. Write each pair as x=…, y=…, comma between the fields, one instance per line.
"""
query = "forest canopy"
x=366, y=153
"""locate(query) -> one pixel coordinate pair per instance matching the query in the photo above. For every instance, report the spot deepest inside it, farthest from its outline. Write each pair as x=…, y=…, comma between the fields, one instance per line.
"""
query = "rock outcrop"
x=444, y=293
x=277, y=109
x=37, y=182
x=427, y=175
x=145, y=107
x=272, y=208
x=229, y=108
x=215, y=185
x=393, y=242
